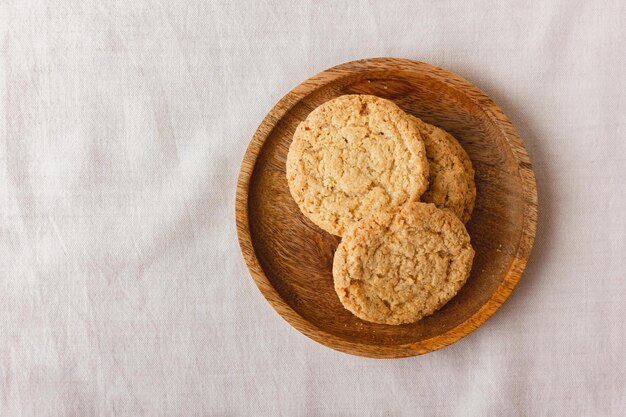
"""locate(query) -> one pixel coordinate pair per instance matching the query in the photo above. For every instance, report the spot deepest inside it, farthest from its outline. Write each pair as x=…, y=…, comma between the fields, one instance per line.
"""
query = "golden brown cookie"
x=402, y=263
x=353, y=155
x=451, y=176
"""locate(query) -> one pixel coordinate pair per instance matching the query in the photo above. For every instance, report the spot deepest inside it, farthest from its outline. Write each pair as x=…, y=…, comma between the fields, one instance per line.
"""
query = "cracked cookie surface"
x=451, y=176
x=353, y=155
x=402, y=263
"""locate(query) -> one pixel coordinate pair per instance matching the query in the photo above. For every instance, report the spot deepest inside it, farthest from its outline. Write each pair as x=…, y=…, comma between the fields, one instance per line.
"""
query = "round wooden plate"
x=291, y=259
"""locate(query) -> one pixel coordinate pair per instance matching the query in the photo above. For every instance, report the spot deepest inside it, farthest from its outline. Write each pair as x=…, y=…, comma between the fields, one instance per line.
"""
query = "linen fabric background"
x=122, y=288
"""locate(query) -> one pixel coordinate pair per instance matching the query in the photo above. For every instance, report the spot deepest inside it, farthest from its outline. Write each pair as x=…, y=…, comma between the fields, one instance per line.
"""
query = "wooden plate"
x=290, y=258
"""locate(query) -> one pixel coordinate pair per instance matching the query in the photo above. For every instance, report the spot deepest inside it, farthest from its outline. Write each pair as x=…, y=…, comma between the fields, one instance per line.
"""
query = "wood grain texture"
x=290, y=258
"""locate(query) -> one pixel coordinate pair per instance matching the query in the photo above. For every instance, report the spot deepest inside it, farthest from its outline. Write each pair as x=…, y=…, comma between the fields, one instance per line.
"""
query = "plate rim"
x=513, y=272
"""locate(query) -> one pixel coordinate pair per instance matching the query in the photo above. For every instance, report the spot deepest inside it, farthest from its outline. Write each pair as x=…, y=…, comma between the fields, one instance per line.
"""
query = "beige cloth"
x=122, y=290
